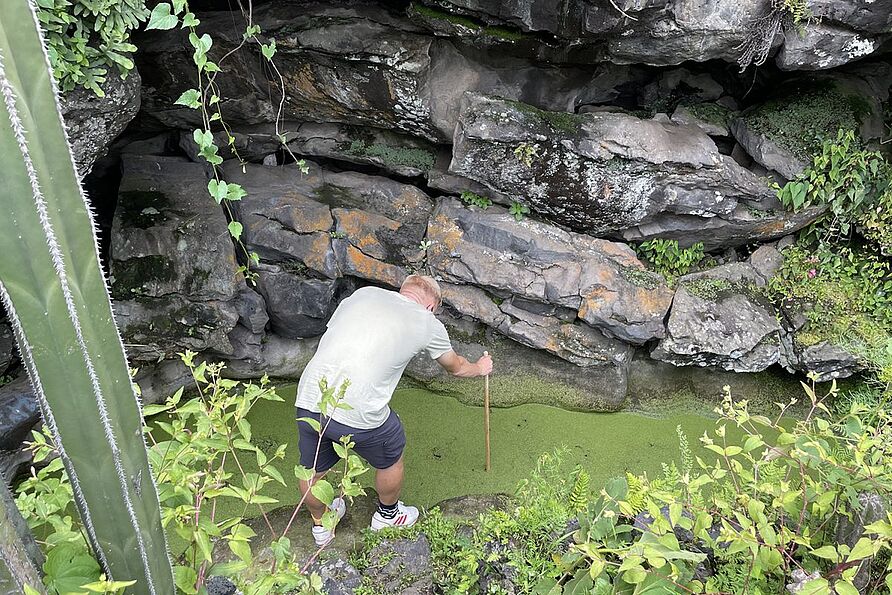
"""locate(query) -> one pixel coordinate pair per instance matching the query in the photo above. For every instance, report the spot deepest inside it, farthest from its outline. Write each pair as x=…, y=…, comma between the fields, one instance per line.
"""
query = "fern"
x=684, y=448
x=637, y=495
x=578, y=499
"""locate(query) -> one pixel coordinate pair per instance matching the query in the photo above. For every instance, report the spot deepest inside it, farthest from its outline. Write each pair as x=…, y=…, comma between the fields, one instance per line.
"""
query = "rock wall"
x=576, y=111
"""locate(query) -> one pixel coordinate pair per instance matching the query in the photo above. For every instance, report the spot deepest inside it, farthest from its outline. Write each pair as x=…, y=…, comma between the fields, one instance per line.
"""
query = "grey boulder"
x=174, y=274
x=93, y=122
x=19, y=412
x=718, y=319
x=402, y=566
x=603, y=282
x=609, y=173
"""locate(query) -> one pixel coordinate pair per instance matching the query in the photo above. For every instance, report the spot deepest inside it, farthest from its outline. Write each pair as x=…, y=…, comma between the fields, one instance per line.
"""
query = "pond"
x=444, y=452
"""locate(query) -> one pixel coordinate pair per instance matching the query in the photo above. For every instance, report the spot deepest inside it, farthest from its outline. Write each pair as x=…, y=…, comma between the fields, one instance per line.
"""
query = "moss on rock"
x=707, y=288
x=800, y=119
x=394, y=156
x=562, y=122
x=711, y=113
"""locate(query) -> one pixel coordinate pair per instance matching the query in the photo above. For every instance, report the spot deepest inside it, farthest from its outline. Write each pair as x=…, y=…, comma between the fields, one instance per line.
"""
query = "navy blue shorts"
x=381, y=447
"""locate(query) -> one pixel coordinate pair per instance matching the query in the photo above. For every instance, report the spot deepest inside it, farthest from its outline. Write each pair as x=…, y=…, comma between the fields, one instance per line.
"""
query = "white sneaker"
x=405, y=517
x=322, y=535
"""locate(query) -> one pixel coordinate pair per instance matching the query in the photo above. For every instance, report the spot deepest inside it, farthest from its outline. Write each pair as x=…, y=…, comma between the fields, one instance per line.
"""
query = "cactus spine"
x=57, y=299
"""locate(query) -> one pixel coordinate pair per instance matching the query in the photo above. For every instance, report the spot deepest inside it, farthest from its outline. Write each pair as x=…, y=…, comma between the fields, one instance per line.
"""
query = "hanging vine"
x=206, y=98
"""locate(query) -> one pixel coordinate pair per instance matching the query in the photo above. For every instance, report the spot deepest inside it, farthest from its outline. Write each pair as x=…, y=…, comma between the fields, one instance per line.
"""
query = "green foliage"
x=463, y=22
x=802, y=118
x=579, y=493
x=55, y=293
x=526, y=153
x=206, y=99
x=845, y=293
x=668, y=259
x=85, y=38
x=560, y=122
x=766, y=505
x=198, y=452
x=471, y=198
x=712, y=113
x=404, y=156
x=707, y=288
x=797, y=10
x=518, y=210
x=853, y=183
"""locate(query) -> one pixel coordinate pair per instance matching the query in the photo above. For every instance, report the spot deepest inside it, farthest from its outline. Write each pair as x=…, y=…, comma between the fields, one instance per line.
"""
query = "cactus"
x=57, y=299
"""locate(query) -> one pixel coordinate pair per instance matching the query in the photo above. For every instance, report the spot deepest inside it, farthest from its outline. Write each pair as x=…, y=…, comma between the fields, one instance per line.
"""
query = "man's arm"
x=459, y=366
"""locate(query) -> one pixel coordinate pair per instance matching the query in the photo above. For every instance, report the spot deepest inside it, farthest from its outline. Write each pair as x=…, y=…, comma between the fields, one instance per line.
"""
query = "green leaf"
x=323, y=491
x=302, y=473
x=189, y=20
x=68, y=566
x=635, y=575
x=864, y=548
x=189, y=98
x=185, y=578
x=235, y=229
x=818, y=586
x=217, y=190
x=269, y=50
x=161, y=18
x=204, y=544
x=845, y=588
x=311, y=422
x=241, y=549
x=828, y=552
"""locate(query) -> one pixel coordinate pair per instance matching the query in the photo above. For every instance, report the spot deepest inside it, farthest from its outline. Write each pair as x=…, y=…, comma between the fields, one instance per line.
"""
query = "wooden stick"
x=486, y=415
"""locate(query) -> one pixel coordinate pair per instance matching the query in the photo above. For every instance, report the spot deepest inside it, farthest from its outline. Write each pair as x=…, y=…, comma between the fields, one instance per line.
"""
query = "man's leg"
x=389, y=483
x=314, y=505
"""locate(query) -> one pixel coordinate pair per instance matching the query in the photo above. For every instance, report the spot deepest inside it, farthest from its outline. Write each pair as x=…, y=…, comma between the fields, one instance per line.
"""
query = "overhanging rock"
x=613, y=174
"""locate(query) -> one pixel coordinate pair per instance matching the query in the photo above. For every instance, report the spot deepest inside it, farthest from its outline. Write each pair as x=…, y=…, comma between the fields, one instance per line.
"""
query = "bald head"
x=422, y=289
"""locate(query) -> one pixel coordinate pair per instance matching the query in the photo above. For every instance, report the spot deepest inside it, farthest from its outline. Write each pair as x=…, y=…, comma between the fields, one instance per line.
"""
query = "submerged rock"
x=718, y=319
x=527, y=375
x=614, y=174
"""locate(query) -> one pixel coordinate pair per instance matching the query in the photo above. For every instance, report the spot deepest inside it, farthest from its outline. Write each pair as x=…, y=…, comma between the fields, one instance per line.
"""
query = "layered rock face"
x=414, y=119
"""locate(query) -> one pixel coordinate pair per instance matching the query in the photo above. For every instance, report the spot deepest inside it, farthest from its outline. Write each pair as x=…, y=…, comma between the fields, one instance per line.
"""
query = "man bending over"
x=371, y=337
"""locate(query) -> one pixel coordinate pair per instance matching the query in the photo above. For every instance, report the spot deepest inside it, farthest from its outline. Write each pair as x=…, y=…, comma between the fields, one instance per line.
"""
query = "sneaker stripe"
x=400, y=520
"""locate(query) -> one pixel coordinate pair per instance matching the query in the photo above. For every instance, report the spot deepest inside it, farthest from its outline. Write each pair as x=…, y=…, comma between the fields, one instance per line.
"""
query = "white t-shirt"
x=370, y=339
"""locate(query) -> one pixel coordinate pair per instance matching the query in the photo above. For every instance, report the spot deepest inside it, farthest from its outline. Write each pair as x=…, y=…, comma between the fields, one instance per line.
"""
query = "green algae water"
x=444, y=449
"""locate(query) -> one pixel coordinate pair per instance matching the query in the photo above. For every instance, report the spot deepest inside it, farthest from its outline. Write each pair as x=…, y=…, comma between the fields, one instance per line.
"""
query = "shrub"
x=668, y=259
x=87, y=37
x=845, y=293
x=198, y=454
x=853, y=183
x=766, y=506
x=472, y=198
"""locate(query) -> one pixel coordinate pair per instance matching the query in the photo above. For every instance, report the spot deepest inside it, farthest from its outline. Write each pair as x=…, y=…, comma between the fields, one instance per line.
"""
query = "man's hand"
x=484, y=364
x=459, y=366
